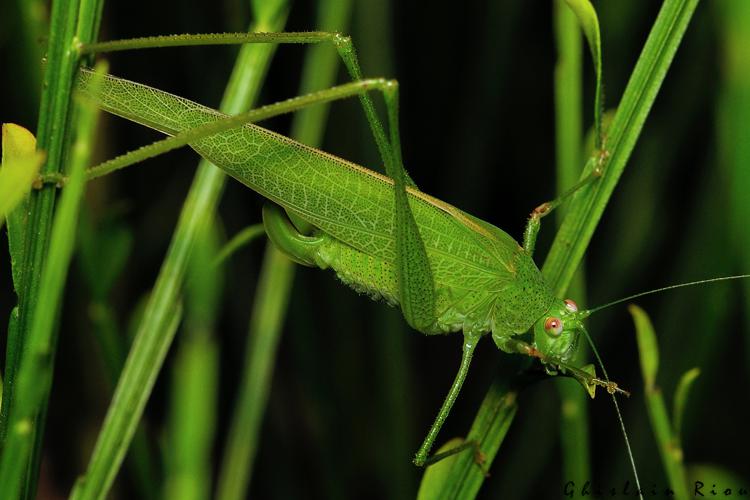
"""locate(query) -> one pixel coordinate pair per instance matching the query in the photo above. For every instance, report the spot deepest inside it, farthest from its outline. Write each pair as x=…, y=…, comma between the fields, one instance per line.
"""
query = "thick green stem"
x=48, y=249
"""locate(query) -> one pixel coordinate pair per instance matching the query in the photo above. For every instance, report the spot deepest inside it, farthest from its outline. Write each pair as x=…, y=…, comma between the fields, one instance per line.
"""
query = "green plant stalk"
x=192, y=417
x=34, y=375
x=574, y=436
x=733, y=116
x=105, y=468
x=199, y=207
x=671, y=453
x=53, y=109
x=267, y=315
x=680, y=403
x=589, y=22
x=192, y=420
x=586, y=208
x=48, y=249
x=141, y=460
x=101, y=257
x=32, y=20
x=277, y=275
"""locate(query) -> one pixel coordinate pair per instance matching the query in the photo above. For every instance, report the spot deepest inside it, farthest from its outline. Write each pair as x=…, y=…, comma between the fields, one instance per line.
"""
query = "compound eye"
x=553, y=326
x=571, y=305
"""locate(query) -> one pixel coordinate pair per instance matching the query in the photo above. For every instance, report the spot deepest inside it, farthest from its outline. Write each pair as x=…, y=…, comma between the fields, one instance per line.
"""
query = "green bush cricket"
x=484, y=281
x=455, y=273
x=297, y=239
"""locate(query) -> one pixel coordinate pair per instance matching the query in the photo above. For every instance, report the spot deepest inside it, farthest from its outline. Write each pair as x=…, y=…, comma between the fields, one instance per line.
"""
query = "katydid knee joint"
x=280, y=230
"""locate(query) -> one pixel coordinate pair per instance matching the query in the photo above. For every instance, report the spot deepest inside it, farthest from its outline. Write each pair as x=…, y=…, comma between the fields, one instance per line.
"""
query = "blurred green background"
x=353, y=390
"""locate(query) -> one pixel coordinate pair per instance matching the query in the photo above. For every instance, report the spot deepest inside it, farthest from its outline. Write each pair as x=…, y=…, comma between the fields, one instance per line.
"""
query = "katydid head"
x=556, y=337
x=556, y=334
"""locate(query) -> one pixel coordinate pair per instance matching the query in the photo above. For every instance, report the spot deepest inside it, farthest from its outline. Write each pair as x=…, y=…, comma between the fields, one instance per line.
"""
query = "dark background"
x=354, y=390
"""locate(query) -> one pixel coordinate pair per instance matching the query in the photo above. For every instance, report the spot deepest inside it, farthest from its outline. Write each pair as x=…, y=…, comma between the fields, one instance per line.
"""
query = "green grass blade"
x=671, y=453
x=243, y=88
x=192, y=415
x=734, y=150
x=489, y=429
x=568, y=98
x=437, y=477
x=265, y=327
x=574, y=437
x=647, y=347
x=137, y=380
x=705, y=478
x=104, y=249
x=192, y=420
x=12, y=333
x=33, y=24
x=277, y=275
x=680, y=402
x=587, y=207
x=589, y=22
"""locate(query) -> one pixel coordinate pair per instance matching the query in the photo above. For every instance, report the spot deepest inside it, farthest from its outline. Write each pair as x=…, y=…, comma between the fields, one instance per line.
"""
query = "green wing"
x=347, y=201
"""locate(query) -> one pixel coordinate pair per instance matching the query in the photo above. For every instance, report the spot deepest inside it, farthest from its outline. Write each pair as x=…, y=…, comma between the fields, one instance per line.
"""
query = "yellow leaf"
x=20, y=165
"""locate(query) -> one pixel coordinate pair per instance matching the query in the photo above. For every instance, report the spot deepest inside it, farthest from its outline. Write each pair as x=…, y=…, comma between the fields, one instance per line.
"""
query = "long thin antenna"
x=663, y=289
x=617, y=409
x=586, y=313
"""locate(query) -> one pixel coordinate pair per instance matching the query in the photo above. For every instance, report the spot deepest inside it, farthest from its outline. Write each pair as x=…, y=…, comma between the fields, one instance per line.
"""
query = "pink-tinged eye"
x=571, y=305
x=553, y=326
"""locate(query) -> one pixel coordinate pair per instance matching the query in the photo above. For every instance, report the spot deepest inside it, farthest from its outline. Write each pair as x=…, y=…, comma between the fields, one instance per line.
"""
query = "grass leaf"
x=680, y=401
x=647, y=347
x=589, y=22
x=193, y=411
x=587, y=206
x=437, y=477
x=669, y=450
x=20, y=165
x=489, y=429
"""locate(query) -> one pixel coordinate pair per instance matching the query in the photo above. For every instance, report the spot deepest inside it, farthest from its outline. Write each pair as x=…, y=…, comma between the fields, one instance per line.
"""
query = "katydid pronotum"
x=448, y=270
